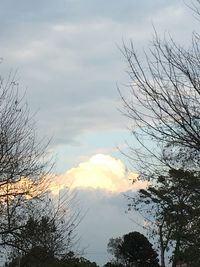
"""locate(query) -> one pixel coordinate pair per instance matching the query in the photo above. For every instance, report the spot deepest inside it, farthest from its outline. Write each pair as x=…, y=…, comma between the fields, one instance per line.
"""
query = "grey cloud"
x=46, y=10
x=67, y=56
x=69, y=123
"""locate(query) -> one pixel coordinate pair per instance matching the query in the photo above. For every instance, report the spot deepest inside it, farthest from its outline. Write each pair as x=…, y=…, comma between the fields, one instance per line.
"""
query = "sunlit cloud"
x=23, y=187
x=98, y=172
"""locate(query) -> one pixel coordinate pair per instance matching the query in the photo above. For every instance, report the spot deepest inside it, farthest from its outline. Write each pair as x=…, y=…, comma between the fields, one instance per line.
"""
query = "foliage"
x=175, y=200
x=41, y=234
x=134, y=249
x=38, y=257
x=77, y=262
x=113, y=247
x=113, y=264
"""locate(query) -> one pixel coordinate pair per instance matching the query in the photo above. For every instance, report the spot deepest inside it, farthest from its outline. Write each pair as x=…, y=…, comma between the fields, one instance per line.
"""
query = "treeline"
x=38, y=257
x=133, y=249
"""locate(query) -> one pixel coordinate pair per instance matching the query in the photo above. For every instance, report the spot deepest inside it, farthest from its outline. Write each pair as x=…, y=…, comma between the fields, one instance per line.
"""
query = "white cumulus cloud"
x=99, y=172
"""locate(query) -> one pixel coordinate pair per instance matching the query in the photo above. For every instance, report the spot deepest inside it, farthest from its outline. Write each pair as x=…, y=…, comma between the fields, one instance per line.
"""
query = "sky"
x=67, y=58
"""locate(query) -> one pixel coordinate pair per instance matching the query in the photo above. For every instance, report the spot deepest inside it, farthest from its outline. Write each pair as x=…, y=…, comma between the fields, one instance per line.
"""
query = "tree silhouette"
x=164, y=107
x=135, y=250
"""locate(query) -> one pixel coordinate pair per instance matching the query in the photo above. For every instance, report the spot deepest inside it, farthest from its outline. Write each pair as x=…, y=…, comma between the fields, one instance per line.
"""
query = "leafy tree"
x=177, y=210
x=38, y=257
x=113, y=247
x=39, y=242
x=78, y=262
x=40, y=234
x=113, y=264
x=135, y=250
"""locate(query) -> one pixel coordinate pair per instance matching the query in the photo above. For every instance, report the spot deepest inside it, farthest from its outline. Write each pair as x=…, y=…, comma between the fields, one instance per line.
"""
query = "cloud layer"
x=68, y=58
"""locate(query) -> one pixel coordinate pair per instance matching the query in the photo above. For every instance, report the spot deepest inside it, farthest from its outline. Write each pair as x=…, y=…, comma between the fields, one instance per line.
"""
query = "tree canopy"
x=39, y=257
x=133, y=249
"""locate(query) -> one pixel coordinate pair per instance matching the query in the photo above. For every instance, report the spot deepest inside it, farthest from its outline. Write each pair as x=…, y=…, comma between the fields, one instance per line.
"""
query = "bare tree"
x=164, y=107
x=23, y=162
x=25, y=176
x=165, y=100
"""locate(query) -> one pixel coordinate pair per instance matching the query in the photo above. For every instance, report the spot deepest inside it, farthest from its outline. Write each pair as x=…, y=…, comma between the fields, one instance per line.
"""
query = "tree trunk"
x=162, y=249
x=176, y=252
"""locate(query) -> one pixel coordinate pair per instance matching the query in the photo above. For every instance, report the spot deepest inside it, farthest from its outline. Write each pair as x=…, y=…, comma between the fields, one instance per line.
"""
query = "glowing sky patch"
x=24, y=187
x=98, y=172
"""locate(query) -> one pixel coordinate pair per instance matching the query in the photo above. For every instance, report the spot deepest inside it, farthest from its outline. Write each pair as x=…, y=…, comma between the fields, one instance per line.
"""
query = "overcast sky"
x=67, y=57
